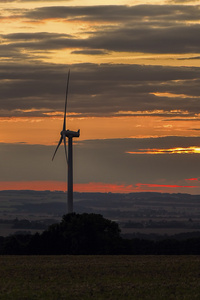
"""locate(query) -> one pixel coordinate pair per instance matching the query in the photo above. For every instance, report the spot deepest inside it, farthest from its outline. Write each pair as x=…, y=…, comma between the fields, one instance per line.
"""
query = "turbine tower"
x=69, y=158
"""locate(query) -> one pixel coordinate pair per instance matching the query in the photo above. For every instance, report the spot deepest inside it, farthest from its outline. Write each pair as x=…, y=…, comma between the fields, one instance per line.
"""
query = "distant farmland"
x=143, y=213
x=99, y=277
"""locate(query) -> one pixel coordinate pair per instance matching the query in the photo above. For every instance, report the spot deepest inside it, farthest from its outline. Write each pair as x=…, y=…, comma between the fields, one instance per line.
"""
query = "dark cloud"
x=189, y=58
x=101, y=161
x=38, y=41
x=33, y=36
x=112, y=163
x=106, y=89
x=116, y=13
x=140, y=28
x=90, y=52
x=179, y=39
x=182, y=1
x=175, y=39
x=98, y=89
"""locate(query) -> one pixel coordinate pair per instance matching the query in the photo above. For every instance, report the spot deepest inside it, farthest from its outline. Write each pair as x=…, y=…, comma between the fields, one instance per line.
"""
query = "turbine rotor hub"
x=69, y=133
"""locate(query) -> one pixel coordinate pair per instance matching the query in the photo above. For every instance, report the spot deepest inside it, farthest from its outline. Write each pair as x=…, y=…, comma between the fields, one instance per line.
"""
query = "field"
x=99, y=277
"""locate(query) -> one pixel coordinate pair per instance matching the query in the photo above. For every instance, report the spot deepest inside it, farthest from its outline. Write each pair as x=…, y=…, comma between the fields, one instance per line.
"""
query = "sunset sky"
x=134, y=94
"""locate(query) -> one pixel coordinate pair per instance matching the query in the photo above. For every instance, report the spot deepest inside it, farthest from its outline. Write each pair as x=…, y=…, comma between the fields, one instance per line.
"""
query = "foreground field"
x=99, y=277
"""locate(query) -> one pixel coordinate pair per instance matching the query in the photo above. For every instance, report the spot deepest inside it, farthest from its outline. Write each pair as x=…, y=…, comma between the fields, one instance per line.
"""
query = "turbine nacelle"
x=70, y=134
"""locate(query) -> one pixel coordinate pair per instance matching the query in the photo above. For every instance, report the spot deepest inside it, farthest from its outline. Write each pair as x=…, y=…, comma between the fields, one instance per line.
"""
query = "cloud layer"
x=124, y=61
x=140, y=28
x=98, y=89
x=28, y=81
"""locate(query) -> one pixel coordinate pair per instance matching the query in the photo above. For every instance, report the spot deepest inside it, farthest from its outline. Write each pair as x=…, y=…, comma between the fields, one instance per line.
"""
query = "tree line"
x=91, y=234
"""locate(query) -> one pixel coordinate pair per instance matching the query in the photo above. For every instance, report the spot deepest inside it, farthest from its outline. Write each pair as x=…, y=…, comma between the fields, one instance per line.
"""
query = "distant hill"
x=128, y=206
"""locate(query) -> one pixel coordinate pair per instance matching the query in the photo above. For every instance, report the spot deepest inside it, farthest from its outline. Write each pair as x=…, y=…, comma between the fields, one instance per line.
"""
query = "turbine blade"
x=64, y=122
x=64, y=137
x=57, y=147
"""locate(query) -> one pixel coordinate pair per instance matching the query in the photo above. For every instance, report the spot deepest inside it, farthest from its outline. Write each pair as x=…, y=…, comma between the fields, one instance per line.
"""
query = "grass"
x=99, y=277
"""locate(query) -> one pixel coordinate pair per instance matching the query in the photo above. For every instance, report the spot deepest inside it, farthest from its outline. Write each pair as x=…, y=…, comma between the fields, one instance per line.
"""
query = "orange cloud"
x=177, y=150
x=171, y=95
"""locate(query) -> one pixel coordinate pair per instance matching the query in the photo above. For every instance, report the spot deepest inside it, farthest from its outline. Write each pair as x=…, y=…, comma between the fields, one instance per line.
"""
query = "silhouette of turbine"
x=69, y=134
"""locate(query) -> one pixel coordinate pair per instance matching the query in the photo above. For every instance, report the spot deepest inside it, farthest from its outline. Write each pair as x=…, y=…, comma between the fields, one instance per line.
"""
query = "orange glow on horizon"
x=62, y=186
x=91, y=187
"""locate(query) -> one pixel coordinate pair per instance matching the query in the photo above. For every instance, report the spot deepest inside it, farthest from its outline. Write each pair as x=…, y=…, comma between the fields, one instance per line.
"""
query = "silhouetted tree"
x=15, y=244
x=82, y=234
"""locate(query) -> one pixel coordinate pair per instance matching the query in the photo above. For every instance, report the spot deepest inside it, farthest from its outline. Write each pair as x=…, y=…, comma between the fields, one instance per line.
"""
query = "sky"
x=134, y=93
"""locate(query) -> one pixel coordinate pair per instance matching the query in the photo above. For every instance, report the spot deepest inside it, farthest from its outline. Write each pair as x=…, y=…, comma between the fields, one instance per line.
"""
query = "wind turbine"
x=69, y=134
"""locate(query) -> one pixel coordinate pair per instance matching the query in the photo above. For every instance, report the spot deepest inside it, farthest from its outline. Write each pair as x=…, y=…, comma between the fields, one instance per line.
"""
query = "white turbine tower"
x=69, y=134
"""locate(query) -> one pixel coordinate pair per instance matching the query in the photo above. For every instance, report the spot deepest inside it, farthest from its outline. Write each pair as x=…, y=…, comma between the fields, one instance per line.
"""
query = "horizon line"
x=99, y=187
